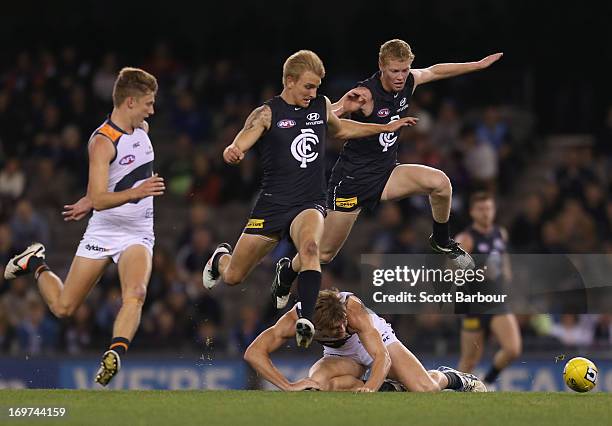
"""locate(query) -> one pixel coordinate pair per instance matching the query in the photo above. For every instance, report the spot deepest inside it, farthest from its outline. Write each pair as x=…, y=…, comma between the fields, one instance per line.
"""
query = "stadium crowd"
x=51, y=100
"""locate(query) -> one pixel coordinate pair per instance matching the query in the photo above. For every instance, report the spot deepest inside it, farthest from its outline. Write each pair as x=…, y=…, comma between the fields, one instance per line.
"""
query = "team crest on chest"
x=302, y=147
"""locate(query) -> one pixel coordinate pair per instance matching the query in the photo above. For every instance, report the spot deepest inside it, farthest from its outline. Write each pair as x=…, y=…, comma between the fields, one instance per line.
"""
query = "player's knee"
x=135, y=293
x=309, y=249
x=513, y=352
x=441, y=184
x=63, y=310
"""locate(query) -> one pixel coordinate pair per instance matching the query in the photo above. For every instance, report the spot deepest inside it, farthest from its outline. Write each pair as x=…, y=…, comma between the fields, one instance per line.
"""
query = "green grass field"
x=309, y=408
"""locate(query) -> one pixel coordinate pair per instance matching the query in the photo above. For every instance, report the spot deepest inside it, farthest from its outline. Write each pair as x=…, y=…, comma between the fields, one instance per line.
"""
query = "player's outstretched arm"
x=341, y=128
x=258, y=354
x=352, y=101
x=101, y=152
x=360, y=321
x=441, y=71
x=255, y=125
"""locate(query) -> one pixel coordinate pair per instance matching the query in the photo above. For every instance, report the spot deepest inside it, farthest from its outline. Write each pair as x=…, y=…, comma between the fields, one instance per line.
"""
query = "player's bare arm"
x=447, y=70
x=258, y=354
x=506, y=264
x=255, y=125
x=466, y=241
x=360, y=321
x=356, y=99
x=144, y=126
x=101, y=152
x=341, y=128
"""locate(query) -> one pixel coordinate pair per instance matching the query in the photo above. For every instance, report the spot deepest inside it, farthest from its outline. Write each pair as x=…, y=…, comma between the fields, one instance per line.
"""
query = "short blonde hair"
x=133, y=82
x=300, y=62
x=395, y=49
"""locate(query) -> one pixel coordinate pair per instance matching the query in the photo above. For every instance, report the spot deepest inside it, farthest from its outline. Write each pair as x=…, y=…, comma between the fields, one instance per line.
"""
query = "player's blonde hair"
x=133, y=82
x=395, y=49
x=329, y=310
x=300, y=62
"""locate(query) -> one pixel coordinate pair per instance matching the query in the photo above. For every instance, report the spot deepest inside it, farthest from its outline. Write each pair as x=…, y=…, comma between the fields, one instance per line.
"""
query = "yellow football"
x=580, y=374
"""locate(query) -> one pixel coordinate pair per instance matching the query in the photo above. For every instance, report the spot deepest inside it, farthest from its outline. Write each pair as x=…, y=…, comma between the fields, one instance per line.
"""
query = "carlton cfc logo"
x=388, y=139
x=302, y=147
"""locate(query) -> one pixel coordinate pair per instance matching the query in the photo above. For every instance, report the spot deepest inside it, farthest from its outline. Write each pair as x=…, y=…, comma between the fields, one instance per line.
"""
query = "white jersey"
x=132, y=164
x=111, y=231
x=352, y=347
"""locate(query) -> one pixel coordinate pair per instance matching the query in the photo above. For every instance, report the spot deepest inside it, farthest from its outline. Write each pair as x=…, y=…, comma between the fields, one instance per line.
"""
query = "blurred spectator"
x=28, y=226
x=446, y=130
x=104, y=78
x=206, y=184
x=178, y=168
x=200, y=215
x=37, y=333
x=79, y=335
x=572, y=330
x=12, y=180
x=480, y=160
x=248, y=328
x=190, y=257
x=7, y=333
x=49, y=188
x=526, y=229
x=492, y=129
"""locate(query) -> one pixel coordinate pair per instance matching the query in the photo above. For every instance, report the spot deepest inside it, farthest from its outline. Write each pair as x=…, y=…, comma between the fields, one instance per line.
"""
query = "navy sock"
x=454, y=381
x=119, y=345
x=441, y=233
x=492, y=374
x=309, y=284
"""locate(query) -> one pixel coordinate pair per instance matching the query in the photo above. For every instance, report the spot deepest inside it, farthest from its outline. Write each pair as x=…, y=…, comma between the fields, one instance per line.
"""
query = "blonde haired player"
x=367, y=171
x=289, y=131
x=120, y=190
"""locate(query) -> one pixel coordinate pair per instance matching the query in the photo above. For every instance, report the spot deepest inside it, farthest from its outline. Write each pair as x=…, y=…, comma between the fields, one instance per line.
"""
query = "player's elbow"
x=250, y=356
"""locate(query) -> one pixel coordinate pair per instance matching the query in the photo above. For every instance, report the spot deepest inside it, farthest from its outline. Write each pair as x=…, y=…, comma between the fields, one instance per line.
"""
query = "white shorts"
x=103, y=244
x=354, y=349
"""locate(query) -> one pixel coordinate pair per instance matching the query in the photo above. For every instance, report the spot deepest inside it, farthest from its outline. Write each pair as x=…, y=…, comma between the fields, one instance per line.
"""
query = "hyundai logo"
x=313, y=116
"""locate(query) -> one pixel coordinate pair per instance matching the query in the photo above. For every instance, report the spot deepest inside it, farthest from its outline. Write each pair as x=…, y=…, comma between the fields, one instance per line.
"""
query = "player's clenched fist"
x=232, y=155
x=153, y=186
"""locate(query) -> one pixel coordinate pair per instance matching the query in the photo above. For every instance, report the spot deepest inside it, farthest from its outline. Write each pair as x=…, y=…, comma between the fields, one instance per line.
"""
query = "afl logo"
x=285, y=124
x=128, y=159
x=302, y=147
x=383, y=112
x=313, y=116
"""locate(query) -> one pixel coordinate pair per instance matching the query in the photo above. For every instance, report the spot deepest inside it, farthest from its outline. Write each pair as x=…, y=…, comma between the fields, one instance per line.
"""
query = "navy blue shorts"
x=274, y=220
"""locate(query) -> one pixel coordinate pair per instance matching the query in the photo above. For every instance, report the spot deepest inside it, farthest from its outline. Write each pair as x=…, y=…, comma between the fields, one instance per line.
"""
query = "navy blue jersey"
x=292, y=152
x=488, y=249
x=375, y=155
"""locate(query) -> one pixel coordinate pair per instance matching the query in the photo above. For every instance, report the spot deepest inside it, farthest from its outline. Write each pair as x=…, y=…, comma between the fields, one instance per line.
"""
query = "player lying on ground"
x=367, y=171
x=120, y=190
x=355, y=340
x=290, y=132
